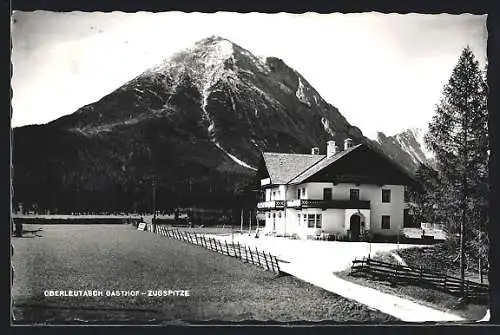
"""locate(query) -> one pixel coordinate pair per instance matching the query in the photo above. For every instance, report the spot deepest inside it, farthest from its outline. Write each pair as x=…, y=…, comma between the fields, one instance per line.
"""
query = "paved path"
x=316, y=261
x=402, y=309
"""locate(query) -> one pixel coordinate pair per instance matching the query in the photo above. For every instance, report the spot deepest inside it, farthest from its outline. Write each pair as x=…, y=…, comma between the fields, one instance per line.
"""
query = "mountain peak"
x=212, y=40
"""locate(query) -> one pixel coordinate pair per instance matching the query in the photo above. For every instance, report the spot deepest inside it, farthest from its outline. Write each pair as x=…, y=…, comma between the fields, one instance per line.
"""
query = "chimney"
x=331, y=149
x=347, y=143
x=315, y=151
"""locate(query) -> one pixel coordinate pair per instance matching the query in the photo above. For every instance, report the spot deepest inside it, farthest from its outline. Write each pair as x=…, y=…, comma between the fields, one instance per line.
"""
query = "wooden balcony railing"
x=274, y=204
x=341, y=204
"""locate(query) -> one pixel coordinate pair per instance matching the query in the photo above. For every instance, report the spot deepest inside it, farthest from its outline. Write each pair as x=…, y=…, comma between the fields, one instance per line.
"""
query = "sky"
x=384, y=72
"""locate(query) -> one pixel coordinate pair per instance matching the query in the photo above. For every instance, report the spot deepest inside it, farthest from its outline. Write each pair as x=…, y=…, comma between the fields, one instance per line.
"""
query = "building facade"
x=348, y=192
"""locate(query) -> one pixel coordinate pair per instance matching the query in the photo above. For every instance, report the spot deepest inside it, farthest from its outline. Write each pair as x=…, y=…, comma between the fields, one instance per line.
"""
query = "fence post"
x=246, y=253
x=258, y=257
x=196, y=238
x=271, y=259
x=265, y=258
x=220, y=247
x=251, y=256
x=227, y=248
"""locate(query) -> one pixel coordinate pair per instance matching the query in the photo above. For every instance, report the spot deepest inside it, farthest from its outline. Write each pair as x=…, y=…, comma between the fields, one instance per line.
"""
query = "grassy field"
x=81, y=257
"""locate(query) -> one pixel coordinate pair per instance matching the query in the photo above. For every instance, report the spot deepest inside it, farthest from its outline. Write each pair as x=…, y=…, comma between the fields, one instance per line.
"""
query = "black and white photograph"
x=176, y=168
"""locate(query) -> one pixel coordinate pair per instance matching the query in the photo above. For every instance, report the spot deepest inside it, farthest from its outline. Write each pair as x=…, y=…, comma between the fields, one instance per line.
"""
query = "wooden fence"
x=242, y=252
x=418, y=276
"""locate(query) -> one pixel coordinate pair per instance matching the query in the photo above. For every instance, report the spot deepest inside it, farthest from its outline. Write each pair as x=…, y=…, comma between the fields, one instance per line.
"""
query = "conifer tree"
x=458, y=136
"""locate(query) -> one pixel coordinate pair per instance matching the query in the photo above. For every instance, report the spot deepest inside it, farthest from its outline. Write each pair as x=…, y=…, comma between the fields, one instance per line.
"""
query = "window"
x=386, y=195
x=327, y=194
x=269, y=215
x=278, y=193
x=274, y=215
x=406, y=195
x=279, y=215
x=386, y=222
x=304, y=216
x=311, y=220
x=298, y=193
x=354, y=194
x=318, y=220
x=274, y=195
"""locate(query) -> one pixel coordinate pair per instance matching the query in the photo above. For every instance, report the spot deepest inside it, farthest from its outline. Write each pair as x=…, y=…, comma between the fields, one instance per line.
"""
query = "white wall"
x=337, y=220
x=314, y=191
x=372, y=193
x=395, y=209
x=333, y=220
x=275, y=193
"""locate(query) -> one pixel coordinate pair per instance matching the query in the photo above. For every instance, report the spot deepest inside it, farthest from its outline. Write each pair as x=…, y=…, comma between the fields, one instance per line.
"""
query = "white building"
x=347, y=192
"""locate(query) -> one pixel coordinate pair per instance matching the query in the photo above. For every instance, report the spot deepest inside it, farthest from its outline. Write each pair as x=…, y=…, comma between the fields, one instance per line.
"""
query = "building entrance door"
x=355, y=227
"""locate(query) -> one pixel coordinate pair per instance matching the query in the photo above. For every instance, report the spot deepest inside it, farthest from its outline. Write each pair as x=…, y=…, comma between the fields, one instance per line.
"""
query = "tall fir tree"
x=458, y=136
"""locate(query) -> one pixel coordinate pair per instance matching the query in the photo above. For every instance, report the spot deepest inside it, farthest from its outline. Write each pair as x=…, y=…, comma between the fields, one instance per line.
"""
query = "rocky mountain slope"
x=407, y=147
x=194, y=125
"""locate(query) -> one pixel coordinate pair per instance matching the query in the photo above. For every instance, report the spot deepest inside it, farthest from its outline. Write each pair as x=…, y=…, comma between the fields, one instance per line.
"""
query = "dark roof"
x=320, y=165
x=283, y=167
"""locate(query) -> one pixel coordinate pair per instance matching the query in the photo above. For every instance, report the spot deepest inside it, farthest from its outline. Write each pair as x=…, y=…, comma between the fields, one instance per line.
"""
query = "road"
x=120, y=258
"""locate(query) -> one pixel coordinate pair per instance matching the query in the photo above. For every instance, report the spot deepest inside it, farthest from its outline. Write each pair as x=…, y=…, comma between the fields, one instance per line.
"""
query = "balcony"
x=268, y=205
x=340, y=204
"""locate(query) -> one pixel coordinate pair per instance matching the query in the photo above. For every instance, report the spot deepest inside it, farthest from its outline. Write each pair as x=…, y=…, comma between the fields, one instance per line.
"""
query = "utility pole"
x=249, y=222
x=154, y=206
x=241, y=229
x=284, y=210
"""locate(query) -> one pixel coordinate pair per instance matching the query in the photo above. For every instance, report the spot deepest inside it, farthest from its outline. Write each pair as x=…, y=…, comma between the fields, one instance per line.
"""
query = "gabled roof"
x=283, y=167
x=320, y=165
x=347, y=164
